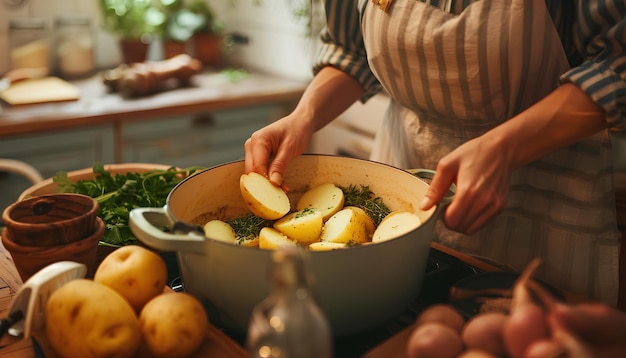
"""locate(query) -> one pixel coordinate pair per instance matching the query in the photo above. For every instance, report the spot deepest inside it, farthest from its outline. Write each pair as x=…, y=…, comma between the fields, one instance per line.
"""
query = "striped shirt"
x=593, y=34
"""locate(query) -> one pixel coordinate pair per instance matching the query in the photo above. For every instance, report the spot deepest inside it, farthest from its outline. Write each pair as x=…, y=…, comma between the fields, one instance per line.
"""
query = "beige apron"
x=454, y=77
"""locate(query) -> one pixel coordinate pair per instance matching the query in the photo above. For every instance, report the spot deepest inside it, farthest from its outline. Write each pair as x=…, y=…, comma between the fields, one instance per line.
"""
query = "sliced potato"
x=271, y=239
x=221, y=231
x=304, y=226
x=327, y=198
x=327, y=246
x=366, y=220
x=396, y=224
x=344, y=227
x=263, y=198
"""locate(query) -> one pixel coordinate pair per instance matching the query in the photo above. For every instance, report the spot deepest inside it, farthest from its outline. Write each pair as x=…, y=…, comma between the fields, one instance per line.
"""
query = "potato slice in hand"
x=327, y=198
x=221, y=231
x=304, y=226
x=263, y=198
x=344, y=227
x=272, y=239
x=396, y=224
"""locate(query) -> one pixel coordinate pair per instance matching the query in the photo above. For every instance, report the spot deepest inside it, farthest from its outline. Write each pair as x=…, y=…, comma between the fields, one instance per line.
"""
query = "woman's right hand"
x=270, y=149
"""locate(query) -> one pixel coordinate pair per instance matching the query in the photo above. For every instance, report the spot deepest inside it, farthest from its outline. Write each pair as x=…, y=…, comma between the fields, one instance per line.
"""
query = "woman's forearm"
x=328, y=95
x=565, y=116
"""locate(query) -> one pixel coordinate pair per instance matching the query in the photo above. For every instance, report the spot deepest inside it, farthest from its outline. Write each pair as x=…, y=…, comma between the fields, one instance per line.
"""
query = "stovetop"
x=442, y=271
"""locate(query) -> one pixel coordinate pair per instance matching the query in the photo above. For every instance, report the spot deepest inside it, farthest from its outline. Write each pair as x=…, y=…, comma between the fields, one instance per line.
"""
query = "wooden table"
x=218, y=344
x=97, y=106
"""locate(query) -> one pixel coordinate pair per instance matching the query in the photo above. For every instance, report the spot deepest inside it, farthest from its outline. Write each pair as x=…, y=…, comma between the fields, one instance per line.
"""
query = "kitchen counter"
x=207, y=92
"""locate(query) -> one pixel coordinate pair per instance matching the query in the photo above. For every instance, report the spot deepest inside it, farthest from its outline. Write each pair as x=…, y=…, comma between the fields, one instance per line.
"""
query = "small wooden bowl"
x=30, y=259
x=49, y=220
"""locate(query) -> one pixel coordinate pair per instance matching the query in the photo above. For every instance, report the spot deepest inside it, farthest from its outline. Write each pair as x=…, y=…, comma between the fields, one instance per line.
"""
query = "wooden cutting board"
x=40, y=90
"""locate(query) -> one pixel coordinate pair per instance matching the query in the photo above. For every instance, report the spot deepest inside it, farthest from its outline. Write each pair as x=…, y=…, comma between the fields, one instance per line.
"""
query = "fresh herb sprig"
x=365, y=199
x=118, y=194
x=248, y=227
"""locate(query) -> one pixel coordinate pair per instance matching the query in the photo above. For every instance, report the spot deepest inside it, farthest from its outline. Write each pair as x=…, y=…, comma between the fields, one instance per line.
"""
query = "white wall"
x=279, y=41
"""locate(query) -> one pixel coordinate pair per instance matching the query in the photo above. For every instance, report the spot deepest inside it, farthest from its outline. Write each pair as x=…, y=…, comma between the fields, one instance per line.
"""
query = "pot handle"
x=146, y=224
x=426, y=175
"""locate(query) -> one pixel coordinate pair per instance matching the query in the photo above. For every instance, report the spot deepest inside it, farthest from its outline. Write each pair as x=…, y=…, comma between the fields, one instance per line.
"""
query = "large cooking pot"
x=358, y=288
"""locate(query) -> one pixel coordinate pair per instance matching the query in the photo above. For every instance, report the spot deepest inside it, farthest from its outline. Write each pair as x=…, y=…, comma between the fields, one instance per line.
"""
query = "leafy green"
x=365, y=199
x=248, y=227
x=118, y=194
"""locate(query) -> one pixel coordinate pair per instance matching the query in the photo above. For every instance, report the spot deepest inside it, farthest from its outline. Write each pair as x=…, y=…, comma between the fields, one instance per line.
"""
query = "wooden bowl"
x=51, y=219
x=48, y=186
x=30, y=259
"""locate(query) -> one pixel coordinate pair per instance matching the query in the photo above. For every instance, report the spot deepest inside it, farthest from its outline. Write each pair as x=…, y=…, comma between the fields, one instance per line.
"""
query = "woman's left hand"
x=481, y=170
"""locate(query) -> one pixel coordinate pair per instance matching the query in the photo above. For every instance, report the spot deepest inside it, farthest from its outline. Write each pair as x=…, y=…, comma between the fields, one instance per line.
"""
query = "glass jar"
x=74, y=51
x=29, y=45
x=289, y=322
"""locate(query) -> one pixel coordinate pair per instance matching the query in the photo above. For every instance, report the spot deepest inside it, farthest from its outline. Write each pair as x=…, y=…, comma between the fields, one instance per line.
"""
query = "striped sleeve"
x=600, y=34
x=342, y=45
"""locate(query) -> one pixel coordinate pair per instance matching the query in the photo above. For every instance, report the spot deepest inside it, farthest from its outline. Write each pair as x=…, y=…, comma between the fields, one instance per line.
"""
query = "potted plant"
x=135, y=22
x=195, y=23
x=207, y=38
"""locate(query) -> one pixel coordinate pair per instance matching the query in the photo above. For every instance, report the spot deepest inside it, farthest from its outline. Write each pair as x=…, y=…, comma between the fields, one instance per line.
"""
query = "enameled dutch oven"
x=358, y=288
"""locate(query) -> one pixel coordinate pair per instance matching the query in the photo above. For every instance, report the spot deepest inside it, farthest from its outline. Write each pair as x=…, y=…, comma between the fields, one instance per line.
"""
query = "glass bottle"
x=289, y=323
x=29, y=45
x=74, y=52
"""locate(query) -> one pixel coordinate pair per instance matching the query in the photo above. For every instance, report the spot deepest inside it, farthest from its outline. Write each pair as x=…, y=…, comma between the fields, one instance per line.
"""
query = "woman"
x=510, y=100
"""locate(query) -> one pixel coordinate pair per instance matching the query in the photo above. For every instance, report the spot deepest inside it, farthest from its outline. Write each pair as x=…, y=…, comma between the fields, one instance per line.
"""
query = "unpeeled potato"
x=271, y=239
x=137, y=273
x=304, y=226
x=327, y=198
x=173, y=324
x=345, y=227
x=364, y=219
x=263, y=198
x=88, y=319
x=220, y=230
x=327, y=246
x=396, y=224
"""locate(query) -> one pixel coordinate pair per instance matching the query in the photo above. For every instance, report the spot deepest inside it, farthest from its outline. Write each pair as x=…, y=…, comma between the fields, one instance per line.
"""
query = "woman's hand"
x=270, y=149
x=481, y=168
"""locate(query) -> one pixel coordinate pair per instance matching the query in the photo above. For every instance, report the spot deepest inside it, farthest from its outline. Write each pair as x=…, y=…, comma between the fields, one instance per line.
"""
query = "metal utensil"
x=27, y=311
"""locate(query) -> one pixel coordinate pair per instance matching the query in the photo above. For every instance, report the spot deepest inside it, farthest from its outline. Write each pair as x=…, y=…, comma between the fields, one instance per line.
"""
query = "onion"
x=527, y=321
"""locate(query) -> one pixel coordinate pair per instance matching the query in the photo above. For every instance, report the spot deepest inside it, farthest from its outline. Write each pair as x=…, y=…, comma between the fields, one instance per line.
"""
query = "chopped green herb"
x=118, y=194
x=304, y=212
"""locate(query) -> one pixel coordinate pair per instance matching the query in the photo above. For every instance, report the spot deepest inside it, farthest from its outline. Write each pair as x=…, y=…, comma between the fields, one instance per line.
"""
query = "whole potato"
x=135, y=272
x=173, y=324
x=87, y=319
